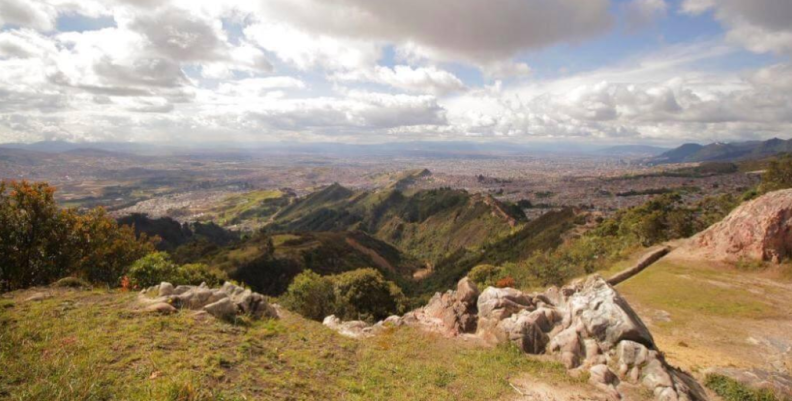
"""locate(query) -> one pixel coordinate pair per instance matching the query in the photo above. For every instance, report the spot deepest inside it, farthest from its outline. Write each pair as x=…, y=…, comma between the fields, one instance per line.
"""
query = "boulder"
x=224, y=302
x=497, y=304
x=450, y=313
x=525, y=330
x=760, y=229
x=606, y=316
x=222, y=309
x=165, y=289
x=353, y=329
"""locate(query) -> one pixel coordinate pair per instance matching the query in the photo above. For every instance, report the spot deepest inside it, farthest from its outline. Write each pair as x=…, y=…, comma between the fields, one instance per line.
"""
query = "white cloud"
x=306, y=51
x=658, y=97
x=642, y=13
x=27, y=13
x=761, y=26
x=422, y=79
x=469, y=30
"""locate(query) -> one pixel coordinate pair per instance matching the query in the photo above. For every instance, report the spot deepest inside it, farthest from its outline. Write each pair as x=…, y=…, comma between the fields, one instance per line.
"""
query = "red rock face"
x=757, y=230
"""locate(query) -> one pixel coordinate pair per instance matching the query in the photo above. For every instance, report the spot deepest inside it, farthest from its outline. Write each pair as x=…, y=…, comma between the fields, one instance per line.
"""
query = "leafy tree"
x=485, y=275
x=157, y=267
x=40, y=243
x=153, y=269
x=778, y=175
x=365, y=294
x=311, y=295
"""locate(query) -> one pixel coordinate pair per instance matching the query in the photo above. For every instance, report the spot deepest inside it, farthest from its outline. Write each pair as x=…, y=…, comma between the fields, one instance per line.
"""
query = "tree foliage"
x=361, y=294
x=778, y=175
x=157, y=267
x=40, y=243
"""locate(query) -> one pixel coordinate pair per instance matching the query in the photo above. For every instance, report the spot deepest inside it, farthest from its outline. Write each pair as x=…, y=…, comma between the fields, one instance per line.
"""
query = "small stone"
x=162, y=308
x=165, y=289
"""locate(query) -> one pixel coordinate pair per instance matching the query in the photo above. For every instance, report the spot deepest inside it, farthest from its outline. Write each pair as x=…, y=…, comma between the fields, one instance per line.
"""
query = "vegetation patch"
x=733, y=390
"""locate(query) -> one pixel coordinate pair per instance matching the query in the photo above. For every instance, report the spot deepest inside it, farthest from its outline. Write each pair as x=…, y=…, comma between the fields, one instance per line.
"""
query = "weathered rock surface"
x=451, y=313
x=758, y=230
x=588, y=326
x=225, y=302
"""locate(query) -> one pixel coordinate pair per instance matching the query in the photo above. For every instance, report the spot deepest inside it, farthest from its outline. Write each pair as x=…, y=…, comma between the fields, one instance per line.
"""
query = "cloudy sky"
x=361, y=71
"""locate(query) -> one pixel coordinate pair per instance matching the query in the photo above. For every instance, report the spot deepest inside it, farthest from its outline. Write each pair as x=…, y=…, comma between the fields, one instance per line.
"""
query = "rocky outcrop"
x=224, y=303
x=758, y=230
x=588, y=326
x=451, y=313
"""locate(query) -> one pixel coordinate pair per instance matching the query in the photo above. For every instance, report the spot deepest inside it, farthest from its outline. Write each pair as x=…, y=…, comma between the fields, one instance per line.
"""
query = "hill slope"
x=427, y=224
x=692, y=153
x=91, y=345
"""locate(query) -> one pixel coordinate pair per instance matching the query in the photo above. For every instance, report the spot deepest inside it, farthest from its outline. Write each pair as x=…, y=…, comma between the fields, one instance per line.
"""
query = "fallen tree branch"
x=646, y=261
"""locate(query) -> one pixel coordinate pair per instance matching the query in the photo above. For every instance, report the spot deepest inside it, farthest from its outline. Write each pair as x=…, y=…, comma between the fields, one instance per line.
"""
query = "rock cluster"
x=451, y=313
x=760, y=230
x=225, y=302
x=587, y=325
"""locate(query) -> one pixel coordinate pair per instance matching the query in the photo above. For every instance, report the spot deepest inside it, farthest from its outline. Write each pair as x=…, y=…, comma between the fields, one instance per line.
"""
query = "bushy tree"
x=485, y=275
x=778, y=175
x=364, y=294
x=40, y=243
x=311, y=295
x=361, y=294
x=157, y=267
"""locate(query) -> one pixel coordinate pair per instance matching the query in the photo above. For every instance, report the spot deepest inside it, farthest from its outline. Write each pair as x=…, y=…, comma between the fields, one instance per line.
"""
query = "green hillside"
x=269, y=262
x=427, y=224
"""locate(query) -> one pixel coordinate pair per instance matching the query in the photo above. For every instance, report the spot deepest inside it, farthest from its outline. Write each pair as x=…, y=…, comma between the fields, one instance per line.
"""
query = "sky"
x=658, y=72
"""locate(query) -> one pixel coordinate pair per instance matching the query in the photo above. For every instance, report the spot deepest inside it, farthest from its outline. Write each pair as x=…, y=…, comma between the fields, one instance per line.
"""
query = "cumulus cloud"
x=642, y=13
x=421, y=79
x=658, y=98
x=761, y=26
x=469, y=30
x=27, y=13
x=375, y=69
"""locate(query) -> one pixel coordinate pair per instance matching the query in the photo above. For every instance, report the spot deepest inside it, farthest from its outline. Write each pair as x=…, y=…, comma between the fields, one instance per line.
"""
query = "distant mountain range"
x=632, y=150
x=428, y=149
x=720, y=151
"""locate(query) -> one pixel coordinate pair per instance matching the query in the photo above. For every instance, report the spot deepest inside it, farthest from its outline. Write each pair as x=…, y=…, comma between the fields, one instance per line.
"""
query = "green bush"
x=157, y=267
x=485, y=275
x=364, y=294
x=732, y=390
x=153, y=269
x=71, y=282
x=310, y=295
x=197, y=273
x=361, y=294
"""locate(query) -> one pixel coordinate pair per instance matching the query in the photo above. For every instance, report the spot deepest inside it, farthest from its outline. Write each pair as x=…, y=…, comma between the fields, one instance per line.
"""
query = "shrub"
x=71, y=282
x=157, y=267
x=310, y=295
x=506, y=282
x=778, y=175
x=197, y=273
x=153, y=269
x=485, y=275
x=364, y=294
x=732, y=390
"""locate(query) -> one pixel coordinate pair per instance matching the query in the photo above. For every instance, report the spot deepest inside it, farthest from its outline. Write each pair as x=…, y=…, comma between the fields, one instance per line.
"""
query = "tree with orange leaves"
x=40, y=242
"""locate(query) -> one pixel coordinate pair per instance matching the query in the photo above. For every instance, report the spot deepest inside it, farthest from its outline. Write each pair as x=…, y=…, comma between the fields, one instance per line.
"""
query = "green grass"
x=732, y=390
x=249, y=205
x=689, y=291
x=89, y=345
